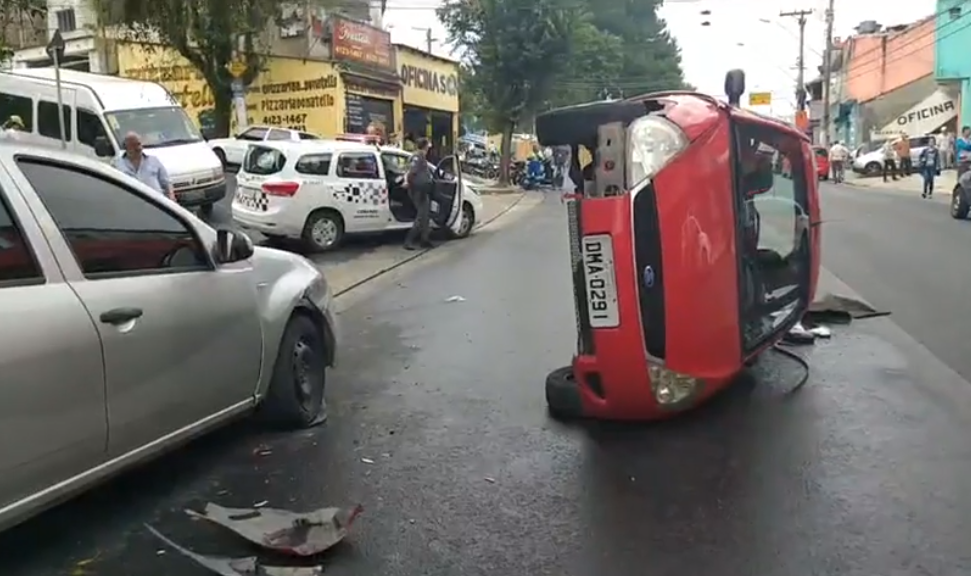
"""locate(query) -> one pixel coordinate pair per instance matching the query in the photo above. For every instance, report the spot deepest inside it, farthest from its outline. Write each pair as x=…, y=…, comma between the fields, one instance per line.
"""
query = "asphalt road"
x=438, y=427
x=905, y=254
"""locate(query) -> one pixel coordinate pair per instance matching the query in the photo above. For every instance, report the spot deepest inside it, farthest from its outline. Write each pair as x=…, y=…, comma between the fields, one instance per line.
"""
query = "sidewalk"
x=485, y=186
x=913, y=183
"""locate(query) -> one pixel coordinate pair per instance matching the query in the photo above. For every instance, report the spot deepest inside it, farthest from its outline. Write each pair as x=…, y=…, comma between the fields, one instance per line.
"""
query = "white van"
x=99, y=110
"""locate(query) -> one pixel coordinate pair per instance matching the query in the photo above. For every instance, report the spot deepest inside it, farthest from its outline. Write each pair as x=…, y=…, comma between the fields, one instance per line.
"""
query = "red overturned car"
x=694, y=247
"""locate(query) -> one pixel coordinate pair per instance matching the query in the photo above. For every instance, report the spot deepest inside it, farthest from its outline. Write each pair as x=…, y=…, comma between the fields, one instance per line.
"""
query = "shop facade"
x=368, y=71
x=305, y=95
x=952, y=68
x=430, y=97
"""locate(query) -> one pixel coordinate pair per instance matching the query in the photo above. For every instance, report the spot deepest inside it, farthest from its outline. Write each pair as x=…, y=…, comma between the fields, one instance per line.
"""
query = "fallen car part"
x=250, y=566
x=296, y=533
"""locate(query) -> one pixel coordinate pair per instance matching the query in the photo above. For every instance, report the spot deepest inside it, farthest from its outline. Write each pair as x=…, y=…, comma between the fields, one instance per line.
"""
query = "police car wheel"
x=467, y=224
x=323, y=231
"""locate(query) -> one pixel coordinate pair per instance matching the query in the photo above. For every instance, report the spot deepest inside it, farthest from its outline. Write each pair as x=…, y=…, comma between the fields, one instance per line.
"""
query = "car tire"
x=295, y=398
x=873, y=168
x=323, y=231
x=959, y=204
x=221, y=154
x=563, y=400
x=467, y=225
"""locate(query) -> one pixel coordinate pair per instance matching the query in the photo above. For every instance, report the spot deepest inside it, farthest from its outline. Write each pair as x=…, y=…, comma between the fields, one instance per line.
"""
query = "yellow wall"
x=428, y=82
x=304, y=95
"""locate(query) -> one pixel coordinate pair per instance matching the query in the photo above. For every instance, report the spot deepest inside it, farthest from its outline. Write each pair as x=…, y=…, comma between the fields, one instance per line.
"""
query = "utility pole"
x=800, y=16
x=429, y=41
x=827, y=73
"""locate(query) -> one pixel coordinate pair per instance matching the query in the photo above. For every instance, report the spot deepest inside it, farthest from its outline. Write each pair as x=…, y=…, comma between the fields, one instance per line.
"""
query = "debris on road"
x=249, y=566
x=367, y=460
x=300, y=534
x=834, y=309
x=451, y=299
x=821, y=332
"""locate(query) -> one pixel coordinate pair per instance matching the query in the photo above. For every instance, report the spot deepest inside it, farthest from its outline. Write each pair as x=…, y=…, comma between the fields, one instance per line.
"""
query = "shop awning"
x=923, y=118
x=367, y=80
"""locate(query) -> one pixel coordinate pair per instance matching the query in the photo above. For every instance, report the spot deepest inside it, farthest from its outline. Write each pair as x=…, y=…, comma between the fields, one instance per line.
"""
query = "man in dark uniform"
x=419, y=182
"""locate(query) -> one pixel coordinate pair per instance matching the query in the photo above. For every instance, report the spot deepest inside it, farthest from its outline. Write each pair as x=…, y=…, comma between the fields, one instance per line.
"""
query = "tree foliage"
x=515, y=48
x=15, y=16
x=651, y=59
x=210, y=34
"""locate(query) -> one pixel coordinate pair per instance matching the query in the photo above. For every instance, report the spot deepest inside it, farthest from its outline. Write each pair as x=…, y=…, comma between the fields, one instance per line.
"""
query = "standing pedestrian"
x=948, y=149
x=902, y=149
x=889, y=160
x=930, y=167
x=838, y=155
x=962, y=148
x=420, y=183
x=145, y=168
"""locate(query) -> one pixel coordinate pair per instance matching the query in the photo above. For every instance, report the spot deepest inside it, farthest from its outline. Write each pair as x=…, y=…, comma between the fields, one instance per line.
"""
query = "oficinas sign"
x=430, y=80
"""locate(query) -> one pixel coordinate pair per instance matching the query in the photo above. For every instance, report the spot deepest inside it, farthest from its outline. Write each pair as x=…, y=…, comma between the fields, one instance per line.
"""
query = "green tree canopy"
x=14, y=16
x=515, y=50
x=651, y=59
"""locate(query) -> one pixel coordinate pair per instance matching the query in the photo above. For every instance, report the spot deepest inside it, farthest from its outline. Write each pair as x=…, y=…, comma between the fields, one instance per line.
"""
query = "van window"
x=315, y=164
x=13, y=105
x=47, y=124
x=89, y=127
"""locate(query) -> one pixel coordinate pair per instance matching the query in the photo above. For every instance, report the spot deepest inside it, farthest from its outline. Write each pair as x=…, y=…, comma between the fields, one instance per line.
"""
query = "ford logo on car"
x=648, y=277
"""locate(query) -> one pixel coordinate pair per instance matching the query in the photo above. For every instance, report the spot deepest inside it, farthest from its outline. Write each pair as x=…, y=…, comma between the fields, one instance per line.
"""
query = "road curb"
x=419, y=253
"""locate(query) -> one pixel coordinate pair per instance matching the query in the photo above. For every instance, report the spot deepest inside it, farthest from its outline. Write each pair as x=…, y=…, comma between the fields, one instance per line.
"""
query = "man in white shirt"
x=838, y=156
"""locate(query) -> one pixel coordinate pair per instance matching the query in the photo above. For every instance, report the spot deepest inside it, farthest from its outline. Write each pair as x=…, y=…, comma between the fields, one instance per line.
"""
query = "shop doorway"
x=435, y=125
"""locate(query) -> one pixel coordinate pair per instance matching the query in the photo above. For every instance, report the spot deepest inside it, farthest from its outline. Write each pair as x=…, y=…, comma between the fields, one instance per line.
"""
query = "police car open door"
x=447, y=196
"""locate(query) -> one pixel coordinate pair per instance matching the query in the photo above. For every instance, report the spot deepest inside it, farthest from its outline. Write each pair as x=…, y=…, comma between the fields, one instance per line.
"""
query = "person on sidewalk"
x=419, y=183
x=947, y=149
x=838, y=155
x=902, y=150
x=930, y=168
x=889, y=160
x=962, y=148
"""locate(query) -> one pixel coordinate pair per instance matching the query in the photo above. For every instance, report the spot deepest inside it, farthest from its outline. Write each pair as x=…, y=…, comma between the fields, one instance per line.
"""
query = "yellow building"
x=305, y=95
x=372, y=90
x=430, y=96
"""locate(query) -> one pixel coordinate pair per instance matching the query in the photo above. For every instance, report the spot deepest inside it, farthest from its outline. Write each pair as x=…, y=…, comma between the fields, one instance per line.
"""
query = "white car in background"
x=319, y=192
x=231, y=151
x=871, y=163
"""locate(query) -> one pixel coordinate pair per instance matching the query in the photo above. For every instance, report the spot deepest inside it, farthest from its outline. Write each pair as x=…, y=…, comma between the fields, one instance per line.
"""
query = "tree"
x=16, y=16
x=651, y=59
x=208, y=33
x=595, y=68
x=515, y=49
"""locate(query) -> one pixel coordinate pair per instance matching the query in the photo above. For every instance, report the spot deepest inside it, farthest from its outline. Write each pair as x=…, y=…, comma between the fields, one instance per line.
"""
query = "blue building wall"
x=952, y=51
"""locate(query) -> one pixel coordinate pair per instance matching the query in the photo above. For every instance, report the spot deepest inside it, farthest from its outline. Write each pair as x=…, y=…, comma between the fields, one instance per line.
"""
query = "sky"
x=747, y=34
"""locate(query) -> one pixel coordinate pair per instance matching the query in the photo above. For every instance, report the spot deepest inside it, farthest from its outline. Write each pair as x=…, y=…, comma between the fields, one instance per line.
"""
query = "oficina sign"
x=927, y=116
x=430, y=80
